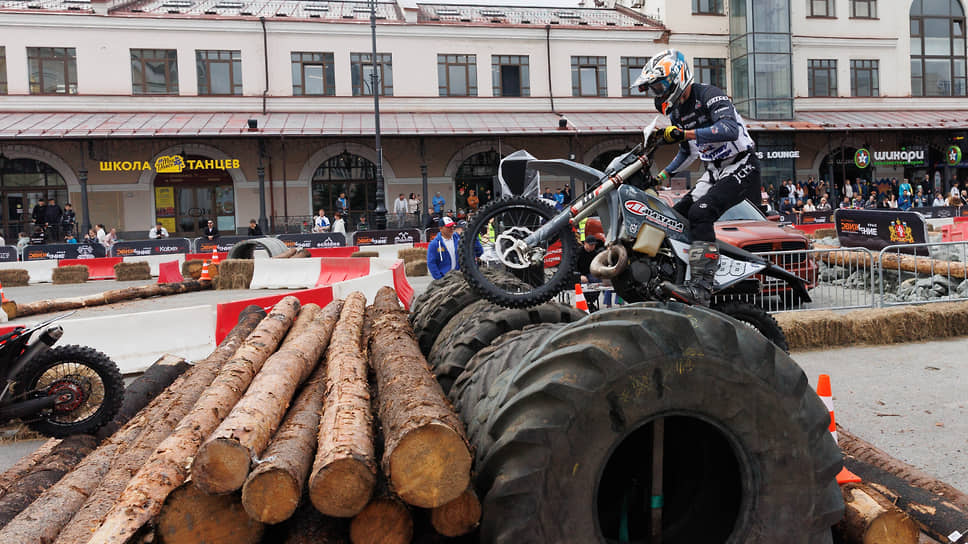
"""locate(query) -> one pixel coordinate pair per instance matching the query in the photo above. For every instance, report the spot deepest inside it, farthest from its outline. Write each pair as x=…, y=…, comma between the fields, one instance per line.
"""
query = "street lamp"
x=261, y=172
x=380, y=212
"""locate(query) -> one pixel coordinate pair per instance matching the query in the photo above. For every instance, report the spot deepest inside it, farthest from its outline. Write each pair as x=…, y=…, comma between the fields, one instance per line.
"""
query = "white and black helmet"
x=666, y=76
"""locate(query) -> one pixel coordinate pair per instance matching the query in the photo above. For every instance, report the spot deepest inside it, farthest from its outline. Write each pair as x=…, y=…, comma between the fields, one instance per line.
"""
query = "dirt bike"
x=57, y=391
x=647, y=242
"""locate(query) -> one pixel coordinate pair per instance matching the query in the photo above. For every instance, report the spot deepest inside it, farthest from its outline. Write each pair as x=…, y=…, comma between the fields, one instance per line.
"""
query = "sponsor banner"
x=314, y=240
x=223, y=244
x=64, y=251
x=877, y=229
x=8, y=254
x=906, y=156
x=385, y=237
x=809, y=218
x=937, y=212
x=168, y=164
x=158, y=246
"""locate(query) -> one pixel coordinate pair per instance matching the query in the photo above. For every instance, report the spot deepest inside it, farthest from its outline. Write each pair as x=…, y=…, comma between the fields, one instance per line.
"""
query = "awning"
x=185, y=125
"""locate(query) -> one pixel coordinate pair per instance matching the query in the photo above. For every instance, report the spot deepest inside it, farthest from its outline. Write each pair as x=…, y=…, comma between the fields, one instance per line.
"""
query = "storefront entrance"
x=186, y=201
x=23, y=183
x=477, y=173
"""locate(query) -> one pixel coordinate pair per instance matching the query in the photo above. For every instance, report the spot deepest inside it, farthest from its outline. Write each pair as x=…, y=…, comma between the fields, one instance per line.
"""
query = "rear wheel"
x=757, y=318
x=88, y=384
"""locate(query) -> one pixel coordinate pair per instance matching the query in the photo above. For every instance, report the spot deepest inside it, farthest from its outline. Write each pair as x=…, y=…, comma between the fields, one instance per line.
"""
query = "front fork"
x=46, y=340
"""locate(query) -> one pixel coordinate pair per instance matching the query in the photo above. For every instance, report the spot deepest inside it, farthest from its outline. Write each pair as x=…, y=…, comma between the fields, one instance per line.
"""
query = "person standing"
x=101, y=235
x=254, y=229
x=110, y=239
x=338, y=224
x=442, y=250
x=342, y=205
x=413, y=208
x=211, y=231
x=158, y=232
x=400, y=209
x=438, y=203
x=321, y=222
x=362, y=224
x=68, y=219
x=39, y=213
x=472, y=201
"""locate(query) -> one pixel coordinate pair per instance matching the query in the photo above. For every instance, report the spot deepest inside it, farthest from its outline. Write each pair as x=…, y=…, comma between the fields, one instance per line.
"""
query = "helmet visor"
x=659, y=87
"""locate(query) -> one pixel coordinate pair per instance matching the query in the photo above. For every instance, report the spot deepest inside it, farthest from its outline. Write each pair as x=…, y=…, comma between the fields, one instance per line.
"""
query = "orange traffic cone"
x=214, y=256
x=580, y=299
x=3, y=297
x=205, y=276
x=825, y=394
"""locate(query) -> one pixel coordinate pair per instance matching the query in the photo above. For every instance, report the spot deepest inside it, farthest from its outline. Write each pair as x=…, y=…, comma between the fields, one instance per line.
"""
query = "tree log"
x=894, y=261
x=344, y=470
x=459, y=516
x=191, y=516
x=44, y=474
x=155, y=379
x=870, y=518
x=167, y=467
x=868, y=453
x=385, y=520
x=308, y=526
x=273, y=489
x=23, y=466
x=109, y=297
x=222, y=463
x=44, y=518
x=427, y=458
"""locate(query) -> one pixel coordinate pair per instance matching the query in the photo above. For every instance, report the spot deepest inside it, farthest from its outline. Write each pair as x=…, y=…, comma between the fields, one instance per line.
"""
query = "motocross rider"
x=706, y=126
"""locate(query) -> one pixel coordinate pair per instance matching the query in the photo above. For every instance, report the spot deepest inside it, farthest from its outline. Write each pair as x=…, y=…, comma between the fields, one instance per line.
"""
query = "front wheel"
x=547, y=268
x=89, y=386
x=756, y=318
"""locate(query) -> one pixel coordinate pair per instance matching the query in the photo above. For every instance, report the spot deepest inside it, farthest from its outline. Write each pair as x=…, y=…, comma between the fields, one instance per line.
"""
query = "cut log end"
x=342, y=488
x=221, y=466
x=459, y=516
x=430, y=466
x=271, y=496
x=383, y=521
x=871, y=518
x=191, y=516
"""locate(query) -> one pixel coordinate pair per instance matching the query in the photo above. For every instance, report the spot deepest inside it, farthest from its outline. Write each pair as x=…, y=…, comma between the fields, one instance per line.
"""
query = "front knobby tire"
x=757, y=318
x=83, y=371
x=568, y=454
x=542, y=288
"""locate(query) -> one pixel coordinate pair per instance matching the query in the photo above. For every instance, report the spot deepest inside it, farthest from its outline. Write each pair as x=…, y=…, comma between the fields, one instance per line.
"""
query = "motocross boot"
x=698, y=289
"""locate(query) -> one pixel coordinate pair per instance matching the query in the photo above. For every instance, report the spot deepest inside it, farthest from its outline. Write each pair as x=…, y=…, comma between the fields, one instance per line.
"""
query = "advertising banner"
x=8, y=254
x=158, y=246
x=938, y=212
x=224, y=243
x=313, y=240
x=63, y=251
x=877, y=229
x=809, y=218
x=385, y=237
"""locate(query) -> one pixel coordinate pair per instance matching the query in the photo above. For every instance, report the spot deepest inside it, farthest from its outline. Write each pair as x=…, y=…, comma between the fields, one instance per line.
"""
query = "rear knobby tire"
x=748, y=458
x=82, y=369
x=755, y=317
x=418, y=301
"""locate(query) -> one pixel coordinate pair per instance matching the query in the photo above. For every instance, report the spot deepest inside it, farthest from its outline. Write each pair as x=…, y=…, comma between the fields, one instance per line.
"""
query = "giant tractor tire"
x=564, y=439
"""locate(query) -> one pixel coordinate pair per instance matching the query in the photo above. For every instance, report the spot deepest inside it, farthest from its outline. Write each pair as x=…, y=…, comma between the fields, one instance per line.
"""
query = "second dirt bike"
x=647, y=242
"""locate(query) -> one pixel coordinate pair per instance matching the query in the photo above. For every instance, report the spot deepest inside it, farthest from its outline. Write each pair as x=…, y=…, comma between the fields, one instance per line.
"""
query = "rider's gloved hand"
x=673, y=134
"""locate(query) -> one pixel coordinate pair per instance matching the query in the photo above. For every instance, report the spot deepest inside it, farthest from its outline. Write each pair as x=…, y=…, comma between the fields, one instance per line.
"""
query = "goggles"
x=659, y=87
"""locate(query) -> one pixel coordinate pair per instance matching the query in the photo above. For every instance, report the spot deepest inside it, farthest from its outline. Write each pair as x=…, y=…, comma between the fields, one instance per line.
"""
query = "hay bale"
x=235, y=274
x=412, y=254
x=14, y=277
x=71, y=274
x=820, y=234
x=192, y=268
x=365, y=254
x=127, y=271
x=813, y=329
x=415, y=268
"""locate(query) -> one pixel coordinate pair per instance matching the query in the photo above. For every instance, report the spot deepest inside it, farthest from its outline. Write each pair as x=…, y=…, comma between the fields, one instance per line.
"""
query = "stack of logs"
x=222, y=456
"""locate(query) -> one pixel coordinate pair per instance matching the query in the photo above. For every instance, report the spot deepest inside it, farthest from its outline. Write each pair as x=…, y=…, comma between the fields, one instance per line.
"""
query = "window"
x=588, y=76
x=509, y=75
x=760, y=58
x=154, y=71
x=822, y=75
x=864, y=78
x=53, y=70
x=863, y=9
x=714, y=7
x=219, y=72
x=362, y=73
x=631, y=68
x=937, y=48
x=313, y=74
x=457, y=75
x=3, y=70
x=821, y=8
x=710, y=72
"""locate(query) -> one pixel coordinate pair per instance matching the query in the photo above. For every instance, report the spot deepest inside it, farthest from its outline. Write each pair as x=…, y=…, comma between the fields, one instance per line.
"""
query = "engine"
x=639, y=280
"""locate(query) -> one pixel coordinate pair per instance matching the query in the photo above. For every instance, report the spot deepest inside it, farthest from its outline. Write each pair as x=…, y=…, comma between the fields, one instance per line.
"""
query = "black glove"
x=673, y=134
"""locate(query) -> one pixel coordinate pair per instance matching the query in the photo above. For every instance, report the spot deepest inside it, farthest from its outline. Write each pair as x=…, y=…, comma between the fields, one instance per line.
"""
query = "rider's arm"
x=725, y=128
x=687, y=154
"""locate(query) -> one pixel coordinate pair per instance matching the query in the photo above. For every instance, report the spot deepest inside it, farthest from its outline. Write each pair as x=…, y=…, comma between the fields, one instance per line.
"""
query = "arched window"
x=937, y=48
x=345, y=173
x=23, y=183
x=476, y=174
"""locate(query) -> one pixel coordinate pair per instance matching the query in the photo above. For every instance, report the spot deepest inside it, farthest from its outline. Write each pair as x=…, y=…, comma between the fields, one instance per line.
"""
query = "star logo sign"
x=954, y=155
x=862, y=158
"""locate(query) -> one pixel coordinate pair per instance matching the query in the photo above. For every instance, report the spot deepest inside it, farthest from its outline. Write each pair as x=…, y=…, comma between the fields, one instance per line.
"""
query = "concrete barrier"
x=285, y=273
x=40, y=271
x=154, y=261
x=336, y=269
x=342, y=251
x=99, y=268
x=227, y=314
x=367, y=285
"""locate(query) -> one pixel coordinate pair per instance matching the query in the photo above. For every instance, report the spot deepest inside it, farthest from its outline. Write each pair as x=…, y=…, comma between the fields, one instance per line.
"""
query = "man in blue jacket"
x=442, y=250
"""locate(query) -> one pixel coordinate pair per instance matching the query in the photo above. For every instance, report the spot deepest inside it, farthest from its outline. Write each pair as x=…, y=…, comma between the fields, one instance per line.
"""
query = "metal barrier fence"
x=923, y=273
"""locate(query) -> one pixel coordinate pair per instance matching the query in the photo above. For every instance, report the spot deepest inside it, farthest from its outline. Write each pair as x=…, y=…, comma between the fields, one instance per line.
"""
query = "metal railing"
x=923, y=273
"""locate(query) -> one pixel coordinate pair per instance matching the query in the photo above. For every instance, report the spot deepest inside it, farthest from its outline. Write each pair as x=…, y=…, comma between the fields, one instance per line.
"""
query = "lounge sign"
x=168, y=164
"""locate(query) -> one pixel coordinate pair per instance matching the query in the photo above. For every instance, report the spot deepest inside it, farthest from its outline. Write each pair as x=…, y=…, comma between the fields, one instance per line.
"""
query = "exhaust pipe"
x=610, y=263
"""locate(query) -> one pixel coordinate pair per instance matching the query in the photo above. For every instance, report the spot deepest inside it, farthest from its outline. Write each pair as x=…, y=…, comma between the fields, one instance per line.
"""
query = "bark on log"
x=870, y=518
x=167, y=467
x=287, y=254
x=223, y=462
x=155, y=379
x=893, y=261
x=427, y=458
x=44, y=518
x=272, y=492
x=24, y=465
x=868, y=453
x=44, y=474
x=308, y=526
x=109, y=297
x=191, y=516
x=459, y=516
x=344, y=470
